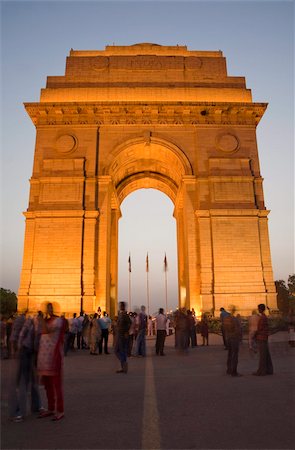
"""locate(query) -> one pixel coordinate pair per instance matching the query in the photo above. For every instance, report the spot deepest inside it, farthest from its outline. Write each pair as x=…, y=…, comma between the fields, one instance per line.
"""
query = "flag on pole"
x=129, y=263
x=165, y=264
x=147, y=262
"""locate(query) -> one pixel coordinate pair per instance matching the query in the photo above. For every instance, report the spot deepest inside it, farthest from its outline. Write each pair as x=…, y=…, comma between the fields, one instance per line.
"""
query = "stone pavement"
x=172, y=402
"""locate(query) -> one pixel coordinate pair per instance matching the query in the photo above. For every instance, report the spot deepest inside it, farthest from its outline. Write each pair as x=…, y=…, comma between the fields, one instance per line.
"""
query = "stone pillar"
x=271, y=295
x=189, y=279
x=113, y=301
x=89, y=255
x=105, y=189
x=206, y=261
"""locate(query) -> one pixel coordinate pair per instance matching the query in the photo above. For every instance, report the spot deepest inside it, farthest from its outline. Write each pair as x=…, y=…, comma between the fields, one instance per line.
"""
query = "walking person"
x=122, y=335
x=232, y=333
x=265, y=363
x=161, y=322
x=26, y=376
x=50, y=362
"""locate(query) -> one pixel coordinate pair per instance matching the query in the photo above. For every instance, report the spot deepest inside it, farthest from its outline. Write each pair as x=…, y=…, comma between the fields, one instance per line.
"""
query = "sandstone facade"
x=146, y=116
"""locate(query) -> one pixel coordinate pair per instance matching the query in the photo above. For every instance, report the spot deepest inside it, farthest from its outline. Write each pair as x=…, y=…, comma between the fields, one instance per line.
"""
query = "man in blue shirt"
x=105, y=323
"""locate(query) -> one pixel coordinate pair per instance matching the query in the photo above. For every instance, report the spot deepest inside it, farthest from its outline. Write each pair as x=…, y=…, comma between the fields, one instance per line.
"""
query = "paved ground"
x=170, y=402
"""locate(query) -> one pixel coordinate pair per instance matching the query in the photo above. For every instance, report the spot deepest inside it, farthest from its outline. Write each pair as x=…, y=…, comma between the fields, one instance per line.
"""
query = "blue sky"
x=257, y=38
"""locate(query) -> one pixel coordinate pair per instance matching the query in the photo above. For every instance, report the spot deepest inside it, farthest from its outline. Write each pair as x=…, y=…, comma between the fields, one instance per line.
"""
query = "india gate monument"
x=146, y=116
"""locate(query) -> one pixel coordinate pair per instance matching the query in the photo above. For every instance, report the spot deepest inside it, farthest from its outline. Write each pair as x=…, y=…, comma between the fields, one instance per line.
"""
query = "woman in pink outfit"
x=50, y=362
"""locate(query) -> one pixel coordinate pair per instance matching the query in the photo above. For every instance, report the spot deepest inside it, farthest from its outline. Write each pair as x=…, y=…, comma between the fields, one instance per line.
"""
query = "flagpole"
x=147, y=284
x=129, y=283
x=166, y=290
x=129, y=292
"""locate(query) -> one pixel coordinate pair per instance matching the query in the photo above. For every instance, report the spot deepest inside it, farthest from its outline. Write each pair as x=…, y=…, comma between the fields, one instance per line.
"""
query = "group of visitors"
x=89, y=332
x=38, y=345
x=37, y=348
x=258, y=339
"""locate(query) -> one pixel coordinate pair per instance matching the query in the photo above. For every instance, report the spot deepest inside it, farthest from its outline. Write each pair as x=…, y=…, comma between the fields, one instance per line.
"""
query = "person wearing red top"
x=265, y=363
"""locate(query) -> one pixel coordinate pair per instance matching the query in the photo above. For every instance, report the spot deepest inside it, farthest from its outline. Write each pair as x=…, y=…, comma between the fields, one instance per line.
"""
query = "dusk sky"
x=257, y=39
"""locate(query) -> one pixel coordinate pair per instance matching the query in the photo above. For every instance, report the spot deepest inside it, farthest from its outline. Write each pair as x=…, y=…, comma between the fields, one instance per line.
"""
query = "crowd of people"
x=38, y=345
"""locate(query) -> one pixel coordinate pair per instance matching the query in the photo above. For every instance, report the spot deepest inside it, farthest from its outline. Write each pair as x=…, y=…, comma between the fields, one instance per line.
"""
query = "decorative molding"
x=153, y=113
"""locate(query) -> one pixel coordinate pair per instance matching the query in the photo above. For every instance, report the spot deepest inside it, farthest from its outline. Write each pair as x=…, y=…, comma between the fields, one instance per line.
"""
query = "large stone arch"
x=135, y=117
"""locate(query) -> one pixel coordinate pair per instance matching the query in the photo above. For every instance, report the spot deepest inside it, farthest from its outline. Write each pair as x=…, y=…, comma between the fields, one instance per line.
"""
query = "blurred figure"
x=204, y=330
x=252, y=325
x=26, y=376
x=265, y=363
x=140, y=344
x=192, y=332
x=161, y=321
x=223, y=315
x=121, y=345
x=73, y=330
x=232, y=334
x=131, y=334
x=182, y=327
x=85, y=332
x=168, y=326
x=50, y=362
x=150, y=326
x=9, y=324
x=80, y=321
x=3, y=338
x=94, y=334
x=114, y=331
x=18, y=322
x=105, y=324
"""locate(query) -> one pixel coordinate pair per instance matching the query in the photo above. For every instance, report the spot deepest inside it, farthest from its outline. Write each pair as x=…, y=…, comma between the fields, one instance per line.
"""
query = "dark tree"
x=8, y=302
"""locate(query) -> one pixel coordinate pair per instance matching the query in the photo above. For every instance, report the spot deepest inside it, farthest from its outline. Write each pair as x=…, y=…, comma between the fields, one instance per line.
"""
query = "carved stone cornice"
x=143, y=113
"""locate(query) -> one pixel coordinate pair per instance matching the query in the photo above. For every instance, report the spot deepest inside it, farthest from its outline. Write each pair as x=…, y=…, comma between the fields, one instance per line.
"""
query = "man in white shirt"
x=161, y=321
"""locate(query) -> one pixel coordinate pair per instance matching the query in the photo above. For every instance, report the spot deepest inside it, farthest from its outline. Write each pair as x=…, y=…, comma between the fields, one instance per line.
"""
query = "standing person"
x=79, y=322
x=131, y=334
x=73, y=330
x=161, y=322
x=182, y=328
x=122, y=335
x=150, y=326
x=252, y=325
x=50, y=362
x=232, y=336
x=105, y=324
x=140, y=344
x=223, y=315
x=94, y=334
x=204, y=330
x=192, y=329
x=265, y=363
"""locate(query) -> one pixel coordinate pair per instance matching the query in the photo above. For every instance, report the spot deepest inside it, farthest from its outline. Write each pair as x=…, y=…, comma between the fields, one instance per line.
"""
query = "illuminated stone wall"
x=146, y=116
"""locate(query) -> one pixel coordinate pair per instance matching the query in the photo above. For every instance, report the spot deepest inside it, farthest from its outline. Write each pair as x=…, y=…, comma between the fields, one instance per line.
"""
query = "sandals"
x=58, y=417
x=45, y=414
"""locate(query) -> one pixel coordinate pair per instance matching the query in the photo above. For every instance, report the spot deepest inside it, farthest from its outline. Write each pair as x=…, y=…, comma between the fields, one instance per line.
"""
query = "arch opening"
x=146, y=227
